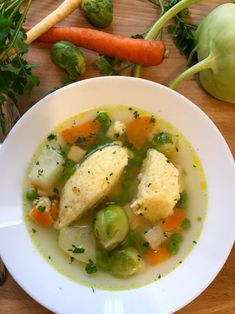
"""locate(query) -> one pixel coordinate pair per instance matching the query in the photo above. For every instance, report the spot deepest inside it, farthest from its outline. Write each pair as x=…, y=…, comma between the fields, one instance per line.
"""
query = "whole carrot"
x=140, y=51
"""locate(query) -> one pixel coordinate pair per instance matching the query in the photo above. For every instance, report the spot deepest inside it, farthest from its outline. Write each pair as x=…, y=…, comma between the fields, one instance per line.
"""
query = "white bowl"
x=62, y=295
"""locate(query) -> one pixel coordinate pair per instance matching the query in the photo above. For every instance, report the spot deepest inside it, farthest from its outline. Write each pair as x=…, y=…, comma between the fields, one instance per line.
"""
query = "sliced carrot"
x=174, y=221
x=43, y=219
x=84, y=132
x=138, y=131
x=158, y=256
x=54, y=209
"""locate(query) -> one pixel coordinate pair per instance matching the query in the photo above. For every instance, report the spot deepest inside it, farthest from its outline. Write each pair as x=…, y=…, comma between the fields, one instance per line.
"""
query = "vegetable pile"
x=214, y=48
x=15, y=72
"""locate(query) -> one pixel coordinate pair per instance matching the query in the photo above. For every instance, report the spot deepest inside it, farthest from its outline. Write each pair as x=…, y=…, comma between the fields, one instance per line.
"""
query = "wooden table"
x=131, y=17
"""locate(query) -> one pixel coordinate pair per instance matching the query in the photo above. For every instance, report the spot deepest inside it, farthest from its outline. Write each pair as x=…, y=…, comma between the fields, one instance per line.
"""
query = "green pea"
x=177, y=237
x=186, y=224
x=104, y=119
x=31, y=194
x=173, y=247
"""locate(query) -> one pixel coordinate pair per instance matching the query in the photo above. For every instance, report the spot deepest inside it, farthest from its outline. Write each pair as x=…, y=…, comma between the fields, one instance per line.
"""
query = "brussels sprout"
x=164, y=142
x=98, y=12
x=68, y=57
x=111, y=226
x=126, y=262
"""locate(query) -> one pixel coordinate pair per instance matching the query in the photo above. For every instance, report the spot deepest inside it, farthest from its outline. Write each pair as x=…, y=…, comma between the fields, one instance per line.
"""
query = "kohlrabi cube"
x=47, y=169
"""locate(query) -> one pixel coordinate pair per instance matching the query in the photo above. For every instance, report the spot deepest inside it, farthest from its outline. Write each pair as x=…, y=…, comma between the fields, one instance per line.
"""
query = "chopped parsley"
x=34, y=230
x=146, y=244
x=42, y=208
x=162, y=138
x=49, y=257
x=195, y=242
x=76, y=250
x=83, y=139
x=152, y=119
x=55, y=190
x=136, y=114
x=52, y=137
x=40, y=172
x=91, y=267
x=71, y=259
x=93, y=290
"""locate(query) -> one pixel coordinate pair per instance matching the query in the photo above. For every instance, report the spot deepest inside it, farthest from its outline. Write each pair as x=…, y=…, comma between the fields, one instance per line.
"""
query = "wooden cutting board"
x=131, y=17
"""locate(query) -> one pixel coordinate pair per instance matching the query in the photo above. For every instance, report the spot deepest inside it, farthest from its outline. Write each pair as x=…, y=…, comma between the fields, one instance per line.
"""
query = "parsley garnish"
x=81, y=140
x=40, y=172
x=152, y=119
x=77, y=250
x=41, y=208
x=146, y=244
x=91, y=267
x=136, y=114
x=71, y=259
x=55, y=190
x=52, y=137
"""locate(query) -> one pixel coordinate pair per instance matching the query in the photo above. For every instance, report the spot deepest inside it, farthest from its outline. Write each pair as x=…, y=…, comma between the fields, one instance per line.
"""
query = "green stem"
x=200, y=66
x=154, y=31
x=152, y=34
x=17, y=5
x=21, y=21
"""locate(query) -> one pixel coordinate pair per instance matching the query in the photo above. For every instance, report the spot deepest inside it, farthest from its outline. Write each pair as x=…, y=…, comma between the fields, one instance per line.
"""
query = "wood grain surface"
x=131, y=17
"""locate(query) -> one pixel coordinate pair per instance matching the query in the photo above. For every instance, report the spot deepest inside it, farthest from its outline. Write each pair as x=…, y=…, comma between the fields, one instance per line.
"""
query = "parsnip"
x=66, y=8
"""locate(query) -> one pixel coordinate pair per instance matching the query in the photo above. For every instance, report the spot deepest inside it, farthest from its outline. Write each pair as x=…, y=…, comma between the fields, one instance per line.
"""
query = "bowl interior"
x=199, y=268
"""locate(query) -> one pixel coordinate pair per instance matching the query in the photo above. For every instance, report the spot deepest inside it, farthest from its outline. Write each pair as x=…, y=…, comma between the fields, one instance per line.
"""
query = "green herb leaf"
x=42, y=208
x=16, y=73
x=52, y=137
x=91, y=267
x=77, y=250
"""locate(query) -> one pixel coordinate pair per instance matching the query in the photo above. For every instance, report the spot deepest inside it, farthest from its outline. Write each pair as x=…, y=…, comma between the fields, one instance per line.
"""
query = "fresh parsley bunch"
x=15, y=72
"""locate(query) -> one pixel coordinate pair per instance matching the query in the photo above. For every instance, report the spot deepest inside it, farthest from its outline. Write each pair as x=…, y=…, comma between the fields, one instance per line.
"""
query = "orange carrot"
x=174, y=221
x=158, y=256
x=138, y=131
x=140, y=51
x=43, y=219
x=54, y=209
x=84, y=131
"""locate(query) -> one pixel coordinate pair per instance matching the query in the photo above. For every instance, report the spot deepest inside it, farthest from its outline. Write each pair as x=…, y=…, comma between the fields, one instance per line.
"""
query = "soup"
x=115, y=198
